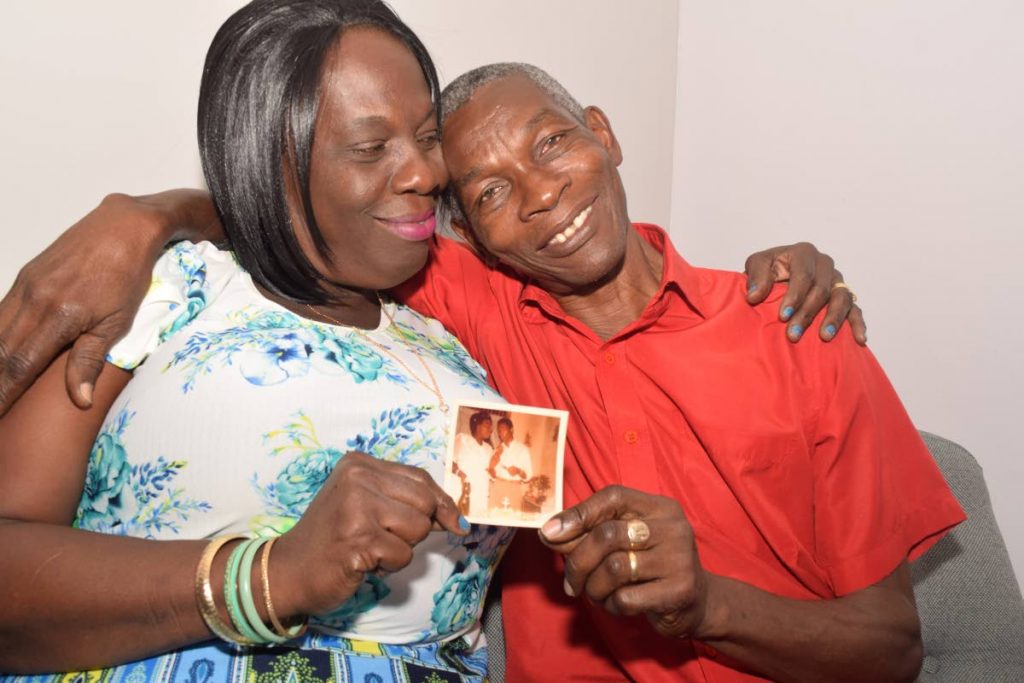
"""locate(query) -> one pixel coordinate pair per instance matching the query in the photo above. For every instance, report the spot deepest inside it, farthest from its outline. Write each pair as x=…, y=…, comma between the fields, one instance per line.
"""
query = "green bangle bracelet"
x=245, y=593
x=231, y=594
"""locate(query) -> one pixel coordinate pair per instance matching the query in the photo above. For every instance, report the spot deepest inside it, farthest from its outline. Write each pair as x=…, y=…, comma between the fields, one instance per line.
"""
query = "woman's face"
x=376, y=166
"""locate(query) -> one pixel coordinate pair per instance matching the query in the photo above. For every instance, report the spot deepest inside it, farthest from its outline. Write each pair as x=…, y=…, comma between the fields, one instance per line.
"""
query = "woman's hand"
x=633, y=553
x=368, y=517
x=814, y=283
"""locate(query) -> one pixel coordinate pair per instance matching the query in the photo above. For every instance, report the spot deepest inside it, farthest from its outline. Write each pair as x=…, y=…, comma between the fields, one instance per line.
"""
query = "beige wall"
x=101, y=96
x=889, y=133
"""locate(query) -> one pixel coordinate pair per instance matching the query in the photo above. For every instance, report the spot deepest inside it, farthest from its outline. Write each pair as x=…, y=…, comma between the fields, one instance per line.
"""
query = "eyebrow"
x=383, y=120
x=540, y=116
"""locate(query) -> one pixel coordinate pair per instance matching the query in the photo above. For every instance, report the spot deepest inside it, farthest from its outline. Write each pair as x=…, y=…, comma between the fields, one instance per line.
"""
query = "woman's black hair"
x=258, y=106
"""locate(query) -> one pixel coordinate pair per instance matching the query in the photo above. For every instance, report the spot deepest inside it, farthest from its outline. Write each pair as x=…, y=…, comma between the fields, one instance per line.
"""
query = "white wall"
x=101, y=96
x=890, y=134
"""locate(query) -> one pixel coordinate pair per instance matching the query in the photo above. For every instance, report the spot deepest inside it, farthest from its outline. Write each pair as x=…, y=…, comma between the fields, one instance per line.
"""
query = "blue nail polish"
x=463, y=523
x=830, y=330
x=752, y=288
x=787, y=312
x=796, y=331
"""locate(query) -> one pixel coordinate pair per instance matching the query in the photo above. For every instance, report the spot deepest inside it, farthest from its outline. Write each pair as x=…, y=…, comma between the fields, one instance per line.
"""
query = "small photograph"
x=504, y=463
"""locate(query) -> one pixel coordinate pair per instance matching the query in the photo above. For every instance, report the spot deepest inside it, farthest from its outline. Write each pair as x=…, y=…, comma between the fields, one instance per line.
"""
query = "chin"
x=403, y=267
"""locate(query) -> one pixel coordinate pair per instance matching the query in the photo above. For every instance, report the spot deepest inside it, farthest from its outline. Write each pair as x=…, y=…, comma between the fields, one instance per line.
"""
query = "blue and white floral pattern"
x=132, y=500
x=243, y=408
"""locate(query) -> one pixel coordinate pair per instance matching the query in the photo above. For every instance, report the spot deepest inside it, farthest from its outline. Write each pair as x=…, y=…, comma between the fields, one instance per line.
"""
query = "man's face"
x=540, y=189
x=504, y=432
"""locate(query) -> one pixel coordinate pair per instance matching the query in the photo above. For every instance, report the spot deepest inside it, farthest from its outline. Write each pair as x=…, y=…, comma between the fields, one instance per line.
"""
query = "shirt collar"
x=676, y=274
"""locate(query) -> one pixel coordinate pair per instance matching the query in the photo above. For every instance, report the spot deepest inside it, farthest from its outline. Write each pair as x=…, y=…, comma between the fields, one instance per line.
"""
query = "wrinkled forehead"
x=488, y=126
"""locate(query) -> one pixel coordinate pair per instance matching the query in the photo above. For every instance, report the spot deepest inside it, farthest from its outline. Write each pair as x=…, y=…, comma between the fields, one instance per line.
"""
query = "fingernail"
x=830, y=330
x=86, y=390
x=751, y=289
x=787, y=312
x=796, y=331
x=567, y=587
x=552, y=527
x=463, y=523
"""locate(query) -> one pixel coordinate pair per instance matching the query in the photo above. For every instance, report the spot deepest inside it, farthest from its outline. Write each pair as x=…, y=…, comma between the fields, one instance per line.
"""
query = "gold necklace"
x=433, y=387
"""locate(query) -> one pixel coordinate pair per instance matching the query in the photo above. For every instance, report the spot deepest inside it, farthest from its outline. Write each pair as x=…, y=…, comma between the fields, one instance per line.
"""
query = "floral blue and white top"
x=239, y=413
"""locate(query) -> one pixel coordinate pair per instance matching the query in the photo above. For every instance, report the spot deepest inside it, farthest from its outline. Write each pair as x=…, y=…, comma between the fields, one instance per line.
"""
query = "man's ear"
x=598, y=123
x=463, y=230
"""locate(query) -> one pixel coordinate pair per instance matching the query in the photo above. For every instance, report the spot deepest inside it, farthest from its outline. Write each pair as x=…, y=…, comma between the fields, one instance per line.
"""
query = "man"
x=511, y=460
x=472, y=454
x=792, y=469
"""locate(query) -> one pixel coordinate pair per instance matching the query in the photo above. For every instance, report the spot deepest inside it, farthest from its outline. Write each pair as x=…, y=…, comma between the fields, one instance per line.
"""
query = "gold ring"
x=638, y=532
x=634, y=575
x=843, y=285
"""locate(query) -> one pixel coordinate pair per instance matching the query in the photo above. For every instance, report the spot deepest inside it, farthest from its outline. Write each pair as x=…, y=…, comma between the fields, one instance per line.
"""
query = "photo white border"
x=563, y=423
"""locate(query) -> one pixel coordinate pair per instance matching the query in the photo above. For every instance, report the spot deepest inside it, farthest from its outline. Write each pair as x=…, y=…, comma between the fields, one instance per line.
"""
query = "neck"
x=618, y=300
x=350, y=307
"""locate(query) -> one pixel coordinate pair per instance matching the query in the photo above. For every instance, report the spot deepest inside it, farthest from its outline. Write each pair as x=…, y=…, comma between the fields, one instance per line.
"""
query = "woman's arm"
x=75, y=599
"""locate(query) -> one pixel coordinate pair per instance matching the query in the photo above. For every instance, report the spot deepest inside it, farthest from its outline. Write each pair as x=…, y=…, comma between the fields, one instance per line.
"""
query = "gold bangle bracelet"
x=279, y=629
x=204, y=594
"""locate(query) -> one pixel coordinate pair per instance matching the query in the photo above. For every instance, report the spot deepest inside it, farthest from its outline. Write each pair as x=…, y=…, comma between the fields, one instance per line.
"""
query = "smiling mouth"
x=576, y=224
x=414, y=228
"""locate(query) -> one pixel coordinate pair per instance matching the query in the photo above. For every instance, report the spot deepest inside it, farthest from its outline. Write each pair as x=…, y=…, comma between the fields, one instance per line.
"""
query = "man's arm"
x=871, y=634
x=84, y=288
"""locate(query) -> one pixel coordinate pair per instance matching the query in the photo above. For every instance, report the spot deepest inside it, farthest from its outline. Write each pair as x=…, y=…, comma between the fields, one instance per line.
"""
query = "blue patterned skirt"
x=314, y=661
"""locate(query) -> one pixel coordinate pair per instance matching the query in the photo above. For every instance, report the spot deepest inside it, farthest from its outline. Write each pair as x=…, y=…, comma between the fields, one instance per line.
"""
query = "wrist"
x=718, y=610
x=152, y=223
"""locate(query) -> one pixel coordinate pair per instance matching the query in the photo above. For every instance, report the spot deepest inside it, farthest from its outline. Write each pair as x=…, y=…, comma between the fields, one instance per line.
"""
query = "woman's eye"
x=369, y=150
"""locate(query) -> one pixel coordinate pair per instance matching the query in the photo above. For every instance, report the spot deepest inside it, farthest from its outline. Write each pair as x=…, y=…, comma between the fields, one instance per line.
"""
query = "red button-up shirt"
x=796, y=464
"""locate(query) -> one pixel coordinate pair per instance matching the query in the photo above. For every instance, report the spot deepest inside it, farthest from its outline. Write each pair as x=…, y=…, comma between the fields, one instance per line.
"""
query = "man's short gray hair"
x=461, y=90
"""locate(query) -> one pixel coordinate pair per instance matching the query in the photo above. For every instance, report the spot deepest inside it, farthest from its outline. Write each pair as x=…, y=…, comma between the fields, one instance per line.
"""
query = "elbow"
x=907, y=661
x=911, y=662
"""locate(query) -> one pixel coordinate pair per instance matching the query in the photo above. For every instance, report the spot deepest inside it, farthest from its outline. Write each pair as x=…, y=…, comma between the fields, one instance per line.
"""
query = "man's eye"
x=551, y=141
x=488, y=194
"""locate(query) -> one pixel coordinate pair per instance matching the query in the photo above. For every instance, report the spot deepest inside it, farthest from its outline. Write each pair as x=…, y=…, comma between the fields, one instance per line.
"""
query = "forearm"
x=172, y=215
x=77, y=600
x=872, y=635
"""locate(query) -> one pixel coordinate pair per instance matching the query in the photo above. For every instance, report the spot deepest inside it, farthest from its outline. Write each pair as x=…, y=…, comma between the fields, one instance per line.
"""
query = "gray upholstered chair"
x=972, y=615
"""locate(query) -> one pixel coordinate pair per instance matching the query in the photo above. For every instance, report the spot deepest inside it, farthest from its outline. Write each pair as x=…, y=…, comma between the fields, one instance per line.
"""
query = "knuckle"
x=607, y=533
x=623, y=602
x=18, y=367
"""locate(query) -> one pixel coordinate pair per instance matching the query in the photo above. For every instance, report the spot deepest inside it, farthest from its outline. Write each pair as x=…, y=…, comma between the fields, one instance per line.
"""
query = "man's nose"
x=542, y=190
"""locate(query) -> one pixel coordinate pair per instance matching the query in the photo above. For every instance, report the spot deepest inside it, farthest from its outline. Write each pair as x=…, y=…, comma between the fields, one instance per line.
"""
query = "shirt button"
x=609, y=358
x=631, y=436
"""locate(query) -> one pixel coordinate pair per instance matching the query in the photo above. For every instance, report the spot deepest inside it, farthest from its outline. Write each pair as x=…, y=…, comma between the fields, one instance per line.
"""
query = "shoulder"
x=187, y=278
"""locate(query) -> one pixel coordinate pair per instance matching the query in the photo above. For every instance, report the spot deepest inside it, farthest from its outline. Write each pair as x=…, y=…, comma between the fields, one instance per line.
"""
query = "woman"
x=259, y=375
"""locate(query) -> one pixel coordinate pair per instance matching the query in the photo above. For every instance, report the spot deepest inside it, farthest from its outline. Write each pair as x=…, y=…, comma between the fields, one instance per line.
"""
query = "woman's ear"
x=598, y=123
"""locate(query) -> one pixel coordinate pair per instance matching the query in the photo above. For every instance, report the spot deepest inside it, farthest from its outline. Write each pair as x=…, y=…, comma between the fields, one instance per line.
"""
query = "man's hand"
x=814, y=283
x=85, y=288
x=655, y=572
